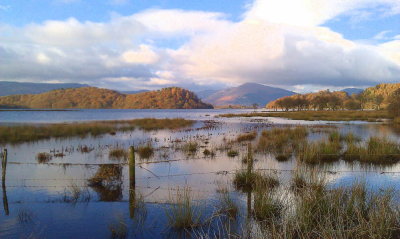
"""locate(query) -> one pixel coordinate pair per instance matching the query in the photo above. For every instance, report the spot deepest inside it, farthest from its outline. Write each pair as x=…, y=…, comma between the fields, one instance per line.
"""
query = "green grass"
x=28, y=133
x=342, y=115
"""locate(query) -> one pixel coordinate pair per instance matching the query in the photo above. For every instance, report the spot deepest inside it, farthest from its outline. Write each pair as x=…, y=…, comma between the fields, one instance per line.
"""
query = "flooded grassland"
x=204, y=177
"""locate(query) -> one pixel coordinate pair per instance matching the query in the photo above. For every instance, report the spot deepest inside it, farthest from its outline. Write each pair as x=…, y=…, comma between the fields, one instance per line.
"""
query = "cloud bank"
x=276, y=42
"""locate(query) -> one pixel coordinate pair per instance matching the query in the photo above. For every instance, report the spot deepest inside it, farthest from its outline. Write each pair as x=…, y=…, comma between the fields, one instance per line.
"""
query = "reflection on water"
x=107, y=195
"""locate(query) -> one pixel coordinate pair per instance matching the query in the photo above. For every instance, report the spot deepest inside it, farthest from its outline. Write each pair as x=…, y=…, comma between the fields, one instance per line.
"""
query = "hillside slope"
x=19, y=88
x=247, y=94
x=96, y=98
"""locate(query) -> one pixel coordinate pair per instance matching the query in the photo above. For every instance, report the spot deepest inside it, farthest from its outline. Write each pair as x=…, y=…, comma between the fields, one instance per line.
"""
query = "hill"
x=376, y=97
x=247, y=94
x=96, y=98
x=18, y=88
x=321, y=100
x=203, y=94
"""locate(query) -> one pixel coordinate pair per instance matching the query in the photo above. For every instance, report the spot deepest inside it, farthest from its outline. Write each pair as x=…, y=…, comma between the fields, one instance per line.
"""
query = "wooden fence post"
x=132, y=182
x=4, y=167
x=3, y=181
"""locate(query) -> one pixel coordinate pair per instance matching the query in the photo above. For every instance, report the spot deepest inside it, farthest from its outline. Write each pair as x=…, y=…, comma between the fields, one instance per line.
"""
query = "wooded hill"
x=376, y=97
x=96, y=98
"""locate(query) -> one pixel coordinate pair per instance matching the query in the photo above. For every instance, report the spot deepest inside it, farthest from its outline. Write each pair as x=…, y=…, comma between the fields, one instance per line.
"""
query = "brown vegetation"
x=96, y=98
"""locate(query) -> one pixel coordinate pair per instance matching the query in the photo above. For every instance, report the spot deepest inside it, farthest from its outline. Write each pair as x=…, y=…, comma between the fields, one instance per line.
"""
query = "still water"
x=56, y=199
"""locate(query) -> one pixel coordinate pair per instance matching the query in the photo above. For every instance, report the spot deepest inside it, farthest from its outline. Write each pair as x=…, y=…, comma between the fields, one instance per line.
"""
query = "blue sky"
x=302, y=45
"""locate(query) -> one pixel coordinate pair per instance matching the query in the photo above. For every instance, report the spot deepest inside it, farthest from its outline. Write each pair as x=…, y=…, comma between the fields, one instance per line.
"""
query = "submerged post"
x=132, y=181
x=3, y=181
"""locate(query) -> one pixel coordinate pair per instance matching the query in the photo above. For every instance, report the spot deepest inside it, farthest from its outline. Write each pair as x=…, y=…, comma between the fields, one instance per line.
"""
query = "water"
x=38, y=198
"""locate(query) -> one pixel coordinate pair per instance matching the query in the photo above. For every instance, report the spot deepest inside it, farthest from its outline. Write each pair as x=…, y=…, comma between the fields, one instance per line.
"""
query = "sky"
x=300, y=45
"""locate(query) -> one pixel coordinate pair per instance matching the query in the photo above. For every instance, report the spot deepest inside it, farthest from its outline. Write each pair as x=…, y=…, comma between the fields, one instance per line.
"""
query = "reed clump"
x=246, y=181
x=209, y=153
x=232, y=153
x=320, y=151
x=183, y=212
x=190, y=147
x=28, y=133
x=118, y=154
x=145, y=151
x=282, y=142
x=44, y=157
x=376, y=150
x=246, y=137
x=317, y=210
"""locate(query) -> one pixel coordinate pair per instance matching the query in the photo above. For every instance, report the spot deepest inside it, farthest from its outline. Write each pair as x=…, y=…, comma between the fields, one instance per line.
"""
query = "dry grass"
x=44, y=157
x=246, y=137
x=27, y=133
x=339, y=115
x=145, y=151
x=118, y=154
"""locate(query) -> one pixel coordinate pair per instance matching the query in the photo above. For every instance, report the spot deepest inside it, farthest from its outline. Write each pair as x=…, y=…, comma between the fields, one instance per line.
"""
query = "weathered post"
x=4, y=167
x=132, y=181
x=3, y=181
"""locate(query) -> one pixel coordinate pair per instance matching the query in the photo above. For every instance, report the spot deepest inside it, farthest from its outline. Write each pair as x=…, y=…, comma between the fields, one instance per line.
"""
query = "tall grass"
x=183, y=212
x=27, y=133
x=376, y=150
x=320, y=151
x=282, y=142
x=246, y=181
x=227, y=205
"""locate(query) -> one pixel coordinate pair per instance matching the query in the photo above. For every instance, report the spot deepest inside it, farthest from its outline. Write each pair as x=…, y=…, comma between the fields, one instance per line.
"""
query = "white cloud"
x=271, y=44
x=310, y=12
x=144, y=55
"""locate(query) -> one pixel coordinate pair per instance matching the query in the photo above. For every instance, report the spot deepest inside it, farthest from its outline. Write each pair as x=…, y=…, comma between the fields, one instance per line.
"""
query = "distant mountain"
x=96, y=98
x=203, y=94
x=351, y=91
x=131, y=92
x=247, y=94
x=14, y=88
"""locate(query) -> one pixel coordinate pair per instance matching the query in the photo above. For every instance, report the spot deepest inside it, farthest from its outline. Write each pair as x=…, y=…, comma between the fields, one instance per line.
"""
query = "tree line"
x=327, y=100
